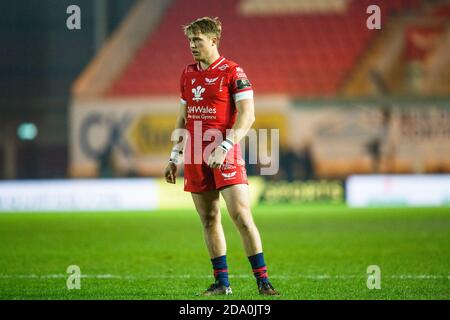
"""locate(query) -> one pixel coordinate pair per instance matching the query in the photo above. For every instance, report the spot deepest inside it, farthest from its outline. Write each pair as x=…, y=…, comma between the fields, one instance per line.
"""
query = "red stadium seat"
x=297, y=54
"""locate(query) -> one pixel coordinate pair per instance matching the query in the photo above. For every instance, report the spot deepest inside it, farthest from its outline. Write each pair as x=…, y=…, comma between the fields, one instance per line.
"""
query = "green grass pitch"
x=312, y=252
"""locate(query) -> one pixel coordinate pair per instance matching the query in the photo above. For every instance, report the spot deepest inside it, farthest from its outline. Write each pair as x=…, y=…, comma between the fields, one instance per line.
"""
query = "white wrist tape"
x=226, y=145
x=176, y=156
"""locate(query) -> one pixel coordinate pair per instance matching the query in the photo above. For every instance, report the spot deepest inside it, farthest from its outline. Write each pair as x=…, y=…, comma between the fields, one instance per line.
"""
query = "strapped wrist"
x=226, y=145
x=176, y=156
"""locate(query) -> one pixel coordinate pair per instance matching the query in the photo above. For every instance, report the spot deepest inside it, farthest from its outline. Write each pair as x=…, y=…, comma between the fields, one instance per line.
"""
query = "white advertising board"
x=78, y=195
x=398, y=190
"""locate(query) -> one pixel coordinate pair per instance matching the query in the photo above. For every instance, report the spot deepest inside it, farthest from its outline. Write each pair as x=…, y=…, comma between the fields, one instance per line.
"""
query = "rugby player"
x=217, y=96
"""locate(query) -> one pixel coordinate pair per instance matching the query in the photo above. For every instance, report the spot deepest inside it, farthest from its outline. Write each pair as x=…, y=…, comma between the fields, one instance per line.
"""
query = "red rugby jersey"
x=210, y=95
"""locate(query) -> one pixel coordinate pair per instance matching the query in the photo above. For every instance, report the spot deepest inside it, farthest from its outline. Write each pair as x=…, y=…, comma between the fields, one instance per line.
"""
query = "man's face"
x=201, y=45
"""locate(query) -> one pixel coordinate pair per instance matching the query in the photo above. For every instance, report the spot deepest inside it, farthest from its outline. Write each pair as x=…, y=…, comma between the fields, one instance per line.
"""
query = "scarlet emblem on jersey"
x=242, y=84
x=240, y=73
x=198, y=93
x=223, y=67
x=211, y=81
x=230, y=175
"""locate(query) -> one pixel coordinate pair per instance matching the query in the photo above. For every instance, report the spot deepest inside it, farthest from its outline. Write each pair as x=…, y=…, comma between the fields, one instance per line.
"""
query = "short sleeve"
x=240, y=86
x=182, y=85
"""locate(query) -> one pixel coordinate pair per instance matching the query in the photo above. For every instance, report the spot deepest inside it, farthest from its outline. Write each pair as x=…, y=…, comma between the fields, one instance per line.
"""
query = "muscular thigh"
x=237, y=199
x=206, y=203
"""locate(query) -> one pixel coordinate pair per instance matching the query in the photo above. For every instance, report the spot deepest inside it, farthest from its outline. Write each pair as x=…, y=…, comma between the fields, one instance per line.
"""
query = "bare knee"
x=210, y=220
x=244, y=221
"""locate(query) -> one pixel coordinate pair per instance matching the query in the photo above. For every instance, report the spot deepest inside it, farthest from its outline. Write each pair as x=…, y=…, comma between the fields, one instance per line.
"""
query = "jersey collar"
x=213, y=65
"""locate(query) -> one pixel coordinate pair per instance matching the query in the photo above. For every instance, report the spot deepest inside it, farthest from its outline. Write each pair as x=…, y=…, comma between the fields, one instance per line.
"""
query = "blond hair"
x=206, y=25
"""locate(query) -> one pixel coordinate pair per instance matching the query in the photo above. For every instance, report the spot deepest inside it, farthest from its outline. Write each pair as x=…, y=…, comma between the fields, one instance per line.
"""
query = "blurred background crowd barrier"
x=101, y=101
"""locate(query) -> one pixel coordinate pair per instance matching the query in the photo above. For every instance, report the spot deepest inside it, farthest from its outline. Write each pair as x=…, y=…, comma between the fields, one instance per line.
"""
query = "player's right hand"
x=170, y=173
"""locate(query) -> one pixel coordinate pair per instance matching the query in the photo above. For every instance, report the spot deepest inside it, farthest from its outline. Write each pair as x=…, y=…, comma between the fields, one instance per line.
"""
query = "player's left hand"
x=216, y=158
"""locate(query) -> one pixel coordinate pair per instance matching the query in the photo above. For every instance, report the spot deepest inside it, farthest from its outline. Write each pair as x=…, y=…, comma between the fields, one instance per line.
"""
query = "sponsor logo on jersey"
x=198, y=93
x=201, y=109
x=221, y=84
x=211, y=81
x=242, y=84
x=241, y=75
x=223, y=67
x=239, y=69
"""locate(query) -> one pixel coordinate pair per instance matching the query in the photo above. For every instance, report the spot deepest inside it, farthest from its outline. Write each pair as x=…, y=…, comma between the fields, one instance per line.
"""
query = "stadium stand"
x=295, y=58
x=306, y=52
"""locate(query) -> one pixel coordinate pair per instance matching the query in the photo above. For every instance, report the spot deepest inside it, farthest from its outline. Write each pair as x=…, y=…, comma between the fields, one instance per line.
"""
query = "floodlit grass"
x=312, y=252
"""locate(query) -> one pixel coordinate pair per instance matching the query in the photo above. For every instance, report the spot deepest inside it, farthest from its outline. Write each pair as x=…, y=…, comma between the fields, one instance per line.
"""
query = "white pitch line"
x=242, y=276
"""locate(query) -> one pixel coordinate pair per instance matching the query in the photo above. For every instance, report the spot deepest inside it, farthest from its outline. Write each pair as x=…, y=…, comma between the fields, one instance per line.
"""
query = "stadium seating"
x=442, y=10
x=305, y=54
